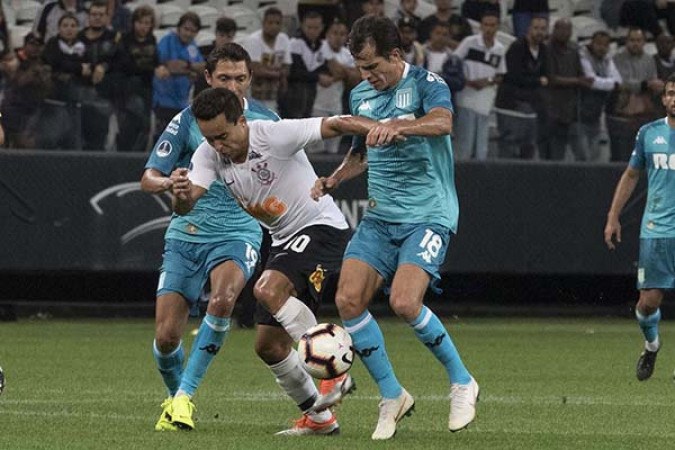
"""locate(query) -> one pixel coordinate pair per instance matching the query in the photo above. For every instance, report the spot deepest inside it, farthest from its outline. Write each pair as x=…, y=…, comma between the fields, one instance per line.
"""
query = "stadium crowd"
x=94, y=76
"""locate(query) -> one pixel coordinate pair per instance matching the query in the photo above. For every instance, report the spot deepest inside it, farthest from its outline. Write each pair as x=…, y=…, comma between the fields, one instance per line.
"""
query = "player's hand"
x=180, y=183
x=323, y=186
x=383, y=134
x=612, y=229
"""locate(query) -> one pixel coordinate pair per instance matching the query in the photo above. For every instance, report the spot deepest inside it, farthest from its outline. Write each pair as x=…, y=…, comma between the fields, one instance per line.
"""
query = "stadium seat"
x=581, y=7
x=26, y=11
x=247, y=20
x=207, y=14
x=168, y=15
x=255, y=5
x=16, y=35
x=205, y=37
x=183, y=4
x=583, y=27
x=561, y=8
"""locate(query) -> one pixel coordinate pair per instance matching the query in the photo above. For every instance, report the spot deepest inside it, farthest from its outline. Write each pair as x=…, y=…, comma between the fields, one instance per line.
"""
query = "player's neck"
x=671, y=121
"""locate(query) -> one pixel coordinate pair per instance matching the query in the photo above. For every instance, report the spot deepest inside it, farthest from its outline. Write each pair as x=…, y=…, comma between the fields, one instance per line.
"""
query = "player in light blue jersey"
x=412, y=214
x=217, y=240
x=654, y=153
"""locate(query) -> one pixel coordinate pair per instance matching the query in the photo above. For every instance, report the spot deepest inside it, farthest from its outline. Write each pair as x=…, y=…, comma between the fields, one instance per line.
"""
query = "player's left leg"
x=274, y=346
x=422, y=251
x=227, y=281
x=648, y=316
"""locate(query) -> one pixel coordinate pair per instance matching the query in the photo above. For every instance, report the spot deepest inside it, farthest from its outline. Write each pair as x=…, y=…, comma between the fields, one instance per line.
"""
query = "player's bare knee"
x=222, y=304
x=167, y=342
x=650, y=301
x=404, y=307
x=349, y=305
x=269, y=296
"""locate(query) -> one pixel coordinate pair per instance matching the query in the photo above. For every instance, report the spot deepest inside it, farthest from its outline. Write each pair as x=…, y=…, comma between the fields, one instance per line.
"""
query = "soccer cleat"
x=181, y=414
x=306, y=426
x=164, y=422
x=392, y=410
x=463, y=399
x=645, y=365
x=331, y=392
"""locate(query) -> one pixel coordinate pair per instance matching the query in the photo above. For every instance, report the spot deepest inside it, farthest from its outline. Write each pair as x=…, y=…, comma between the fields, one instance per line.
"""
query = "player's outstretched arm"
x=353, y=165
x=155, y=182
x=185, y=194
x=340, y=125
x=437, y=122
x=624, y=189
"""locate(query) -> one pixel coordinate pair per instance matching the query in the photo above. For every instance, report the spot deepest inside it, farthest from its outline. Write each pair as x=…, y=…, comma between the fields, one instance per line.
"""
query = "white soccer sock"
x=653, y=346
x=295, y=317
x=295, y=381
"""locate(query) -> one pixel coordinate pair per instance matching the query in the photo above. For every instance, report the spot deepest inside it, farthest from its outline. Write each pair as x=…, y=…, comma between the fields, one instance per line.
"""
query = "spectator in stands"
x=373, y=7
x=665, y=63
x=520, y=104
x=65, y=55
x=120, y=16
x=641, y=14
x=270, y=51
x=597, y=64
x=138, y=61
x=610, y=12
x=24, y=95
x=101, y=51
x=226, y=29
x=566, y=80
x=306, y=67
x=523, y=13
x=484, y=66
x=331, y=86
x=179, y=53
x=46, y=23
x=476, y=9
x=437, y=49
x=459, y=26
x=328, y=9
x=413, y=51
x=665, y=9
x=406, y=9
x=632, y=105
x=4, y=33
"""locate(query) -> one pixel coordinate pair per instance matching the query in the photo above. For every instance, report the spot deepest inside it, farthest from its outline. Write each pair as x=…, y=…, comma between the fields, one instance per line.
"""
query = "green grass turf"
x=546, y=384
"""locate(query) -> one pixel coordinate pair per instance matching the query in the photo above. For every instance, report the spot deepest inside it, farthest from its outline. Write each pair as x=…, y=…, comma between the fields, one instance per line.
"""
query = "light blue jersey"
x=411, y=181
x=216, y=216
x=655, y=153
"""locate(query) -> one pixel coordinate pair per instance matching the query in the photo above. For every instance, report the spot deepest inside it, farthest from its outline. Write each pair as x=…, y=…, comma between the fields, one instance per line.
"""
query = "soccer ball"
x=326, y=351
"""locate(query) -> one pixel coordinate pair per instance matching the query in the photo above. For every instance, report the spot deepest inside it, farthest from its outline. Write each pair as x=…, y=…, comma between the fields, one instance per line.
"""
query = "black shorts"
x=311, y=259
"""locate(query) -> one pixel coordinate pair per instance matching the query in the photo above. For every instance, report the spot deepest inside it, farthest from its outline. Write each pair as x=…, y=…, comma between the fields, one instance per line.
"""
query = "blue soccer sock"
x=170, y=366
x=210, y=338
x=368, y=342
x=649, y=325
x=431, y=332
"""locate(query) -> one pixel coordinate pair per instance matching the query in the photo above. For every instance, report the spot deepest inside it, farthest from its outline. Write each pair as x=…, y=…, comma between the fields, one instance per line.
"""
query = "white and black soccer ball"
x=326, y=351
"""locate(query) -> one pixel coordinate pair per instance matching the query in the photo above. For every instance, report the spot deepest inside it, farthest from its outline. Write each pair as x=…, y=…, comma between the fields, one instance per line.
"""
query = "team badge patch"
x=164, y=149
x=265, y=176
x=317, y=277
x=641, y=275
x=403, y=98
x=191, y=229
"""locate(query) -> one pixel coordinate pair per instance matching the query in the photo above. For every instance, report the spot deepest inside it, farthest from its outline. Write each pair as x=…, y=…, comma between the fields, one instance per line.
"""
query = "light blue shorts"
x=384, y=246
x=186, y=265
x=656, y=267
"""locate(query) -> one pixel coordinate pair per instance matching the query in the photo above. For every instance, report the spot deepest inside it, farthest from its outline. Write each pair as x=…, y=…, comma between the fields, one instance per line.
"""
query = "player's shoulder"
x=258, y=111
x=657, y=125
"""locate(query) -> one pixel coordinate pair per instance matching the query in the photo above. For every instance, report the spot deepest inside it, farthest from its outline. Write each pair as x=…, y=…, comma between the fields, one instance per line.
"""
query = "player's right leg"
x=358, y=284
x=654, y=275
x=171, y=313
x=274, y=346
x=648, y=316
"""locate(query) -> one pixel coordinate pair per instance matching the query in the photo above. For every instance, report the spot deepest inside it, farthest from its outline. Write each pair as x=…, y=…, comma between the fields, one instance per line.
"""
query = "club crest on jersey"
x=164, y=149
x=317, y=277
x=403, y=98
x=265, y=176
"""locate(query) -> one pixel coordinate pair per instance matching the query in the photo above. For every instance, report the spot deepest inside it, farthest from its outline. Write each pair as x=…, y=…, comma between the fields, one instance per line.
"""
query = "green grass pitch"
x=546, y=384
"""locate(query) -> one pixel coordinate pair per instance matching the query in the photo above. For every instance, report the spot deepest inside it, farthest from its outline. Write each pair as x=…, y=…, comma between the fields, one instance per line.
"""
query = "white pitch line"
x=273, y=396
